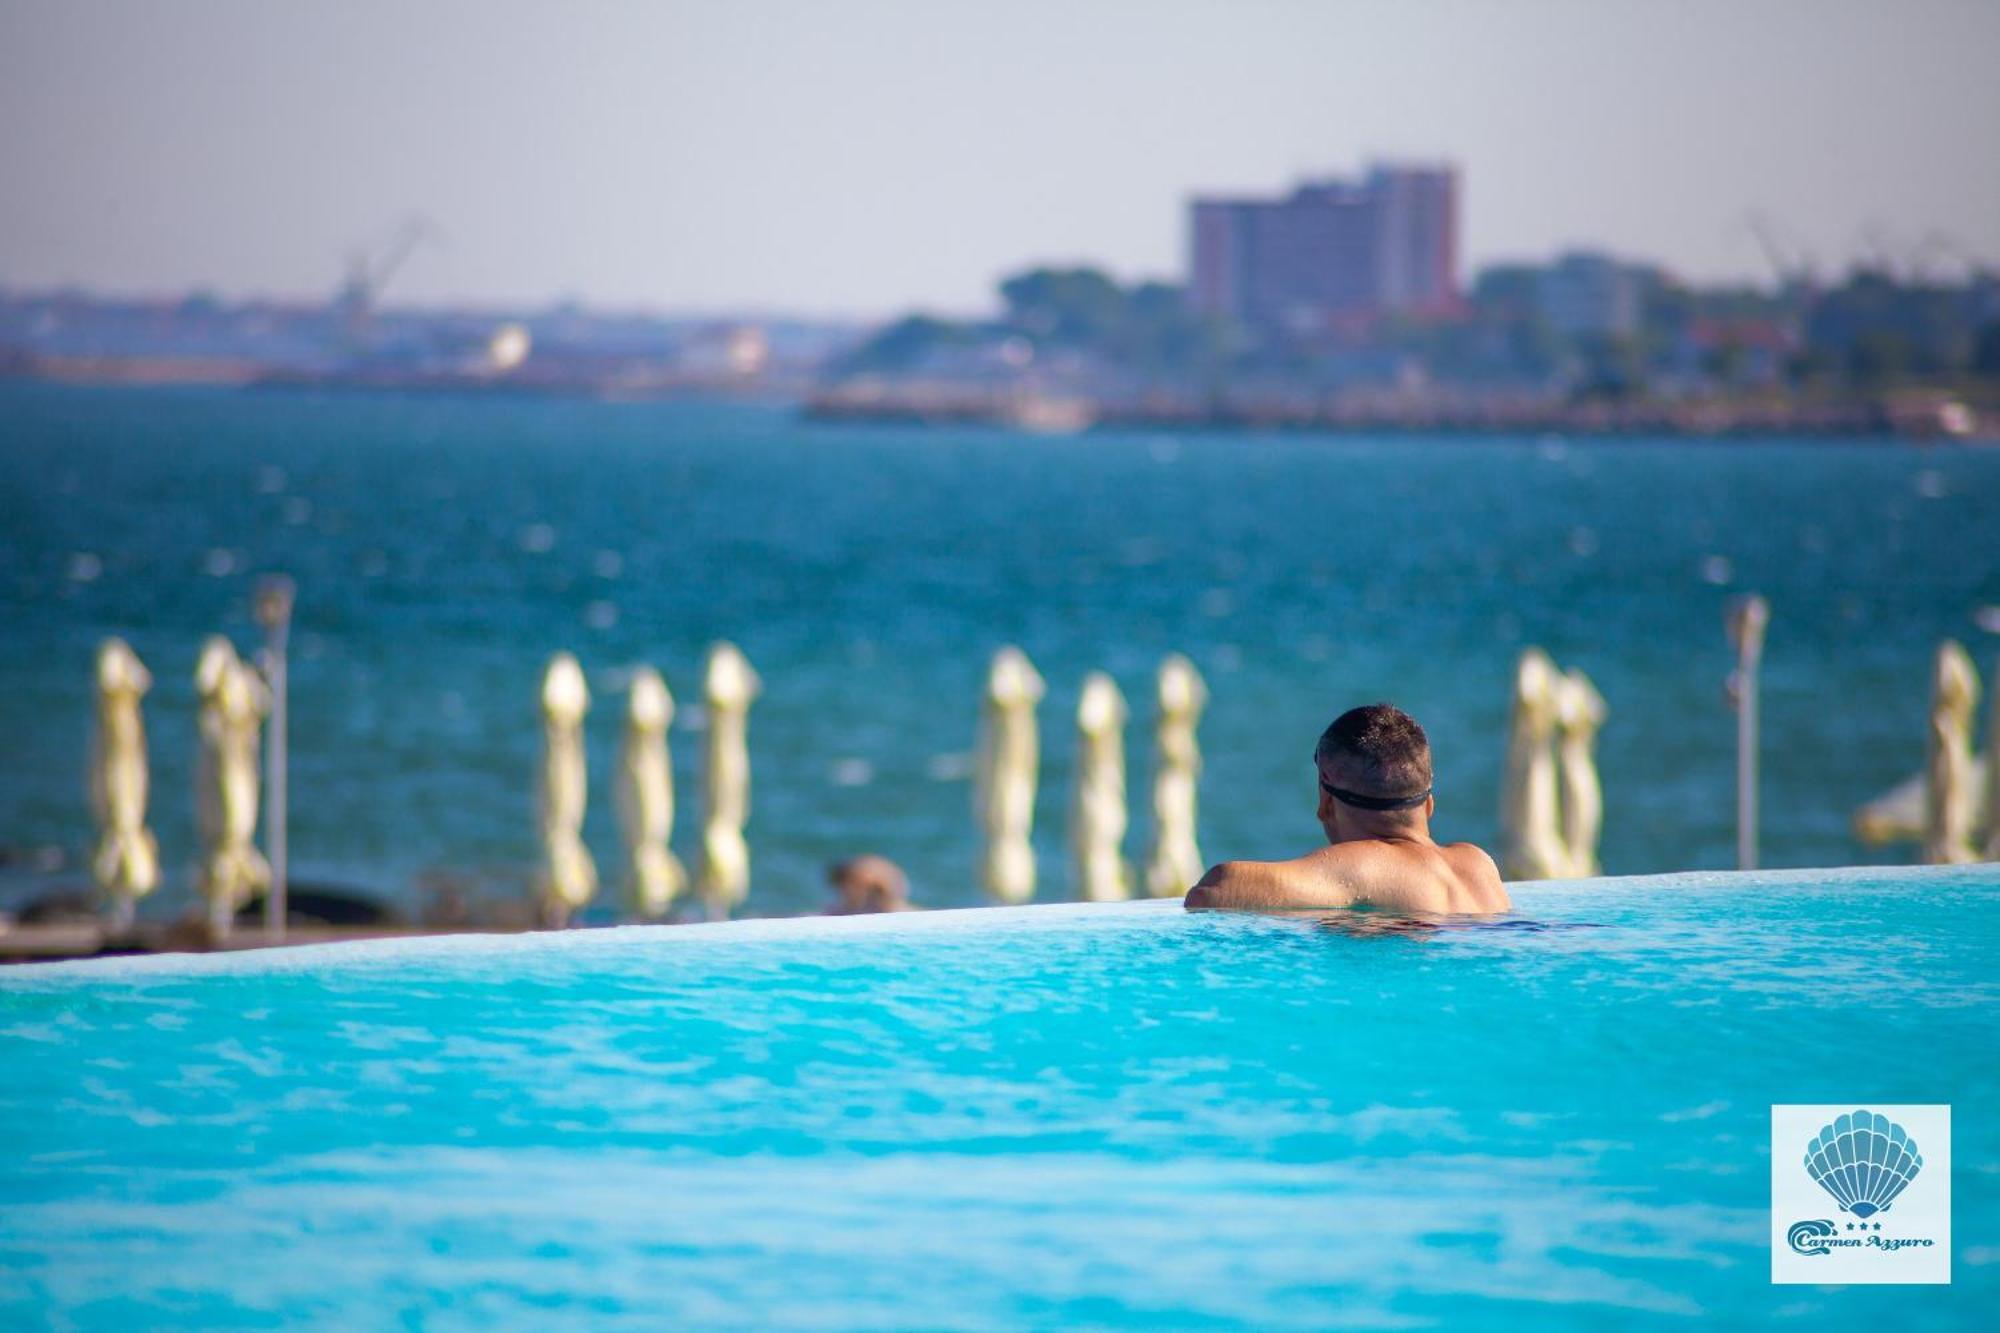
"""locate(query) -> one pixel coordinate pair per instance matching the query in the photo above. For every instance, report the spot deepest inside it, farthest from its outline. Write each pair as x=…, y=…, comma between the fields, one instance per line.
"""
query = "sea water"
x=445, y=547
x=1061, y=1116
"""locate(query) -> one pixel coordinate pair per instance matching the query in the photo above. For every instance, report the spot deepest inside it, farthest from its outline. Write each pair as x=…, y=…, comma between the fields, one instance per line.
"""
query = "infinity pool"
x=1071, y=1115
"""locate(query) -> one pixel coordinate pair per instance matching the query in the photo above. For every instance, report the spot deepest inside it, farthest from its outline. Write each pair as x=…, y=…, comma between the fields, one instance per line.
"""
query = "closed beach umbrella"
x=1897, y=815
x=568, y=877
x=725, y=857
x=233, y=702
x=1950, y=805
x=1098, y=815
x=1747, y=619
x=1175, y=863
x=1531, y=838
x=1990, y=775
x=1008, y=768
x=126, y=859
x=1580, y=711
x=654, y=877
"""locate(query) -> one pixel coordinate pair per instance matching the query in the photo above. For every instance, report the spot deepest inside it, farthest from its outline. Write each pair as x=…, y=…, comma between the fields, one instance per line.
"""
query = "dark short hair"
x=1390, y=749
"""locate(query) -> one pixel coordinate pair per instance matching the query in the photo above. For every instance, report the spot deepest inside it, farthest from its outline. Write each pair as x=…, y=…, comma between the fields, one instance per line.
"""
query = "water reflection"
x=1362, y=923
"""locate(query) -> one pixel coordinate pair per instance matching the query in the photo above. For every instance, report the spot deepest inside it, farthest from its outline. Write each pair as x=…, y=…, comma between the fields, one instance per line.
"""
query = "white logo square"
x=1860, y=1192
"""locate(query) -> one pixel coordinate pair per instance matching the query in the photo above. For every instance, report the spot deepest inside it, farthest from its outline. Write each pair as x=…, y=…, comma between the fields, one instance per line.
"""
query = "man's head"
x=1374, y=774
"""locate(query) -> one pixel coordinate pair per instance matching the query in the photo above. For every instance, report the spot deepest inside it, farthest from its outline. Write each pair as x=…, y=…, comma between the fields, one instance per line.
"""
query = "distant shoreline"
x=1922, y=416
x=1913, y=416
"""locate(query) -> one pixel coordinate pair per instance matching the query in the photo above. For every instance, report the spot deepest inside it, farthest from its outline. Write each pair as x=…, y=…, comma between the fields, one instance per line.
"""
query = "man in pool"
x=1375, y=806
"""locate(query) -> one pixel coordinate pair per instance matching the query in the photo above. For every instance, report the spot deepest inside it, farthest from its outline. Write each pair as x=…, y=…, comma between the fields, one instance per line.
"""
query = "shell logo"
x=1864, y=1161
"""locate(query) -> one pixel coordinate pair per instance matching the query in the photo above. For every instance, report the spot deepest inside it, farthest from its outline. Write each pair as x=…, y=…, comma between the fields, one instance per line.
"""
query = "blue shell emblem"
x=1864, y=1161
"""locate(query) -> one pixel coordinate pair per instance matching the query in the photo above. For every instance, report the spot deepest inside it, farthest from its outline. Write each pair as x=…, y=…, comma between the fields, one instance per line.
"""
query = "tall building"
x=1332, y=254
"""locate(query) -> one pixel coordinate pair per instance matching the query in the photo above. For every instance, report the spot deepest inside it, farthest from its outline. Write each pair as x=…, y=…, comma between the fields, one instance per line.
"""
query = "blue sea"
x=444, y=547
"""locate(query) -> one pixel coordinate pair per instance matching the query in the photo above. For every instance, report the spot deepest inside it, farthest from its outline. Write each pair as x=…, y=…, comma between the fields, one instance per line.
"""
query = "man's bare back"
x=1375, y=806
x=1402, y=876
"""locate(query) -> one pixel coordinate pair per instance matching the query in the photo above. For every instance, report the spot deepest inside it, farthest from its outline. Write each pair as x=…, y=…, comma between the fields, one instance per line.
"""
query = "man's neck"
x=1418, y=834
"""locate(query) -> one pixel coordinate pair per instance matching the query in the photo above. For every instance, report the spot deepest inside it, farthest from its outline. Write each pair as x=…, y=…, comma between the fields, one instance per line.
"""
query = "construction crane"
x=368, y=274
x=1878, y=252
x=1791, y=266
x=1942, y=245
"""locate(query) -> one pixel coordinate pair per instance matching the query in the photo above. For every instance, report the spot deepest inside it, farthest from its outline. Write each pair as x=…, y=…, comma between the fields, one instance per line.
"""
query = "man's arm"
x=1265, y=886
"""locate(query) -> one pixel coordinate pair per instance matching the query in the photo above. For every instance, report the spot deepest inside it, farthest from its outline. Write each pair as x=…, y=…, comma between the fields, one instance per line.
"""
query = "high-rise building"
x=1332, y=254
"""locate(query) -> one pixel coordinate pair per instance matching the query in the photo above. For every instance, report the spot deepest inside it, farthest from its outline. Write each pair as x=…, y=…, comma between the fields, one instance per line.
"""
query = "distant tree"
x=1165, y=333
x=1880, y=329
x=1507, y=291
x=1148, y=328
x=1986, y=350
x=904, y=344
x=1157, y=302
x=1074, y=307
x=1877, y=358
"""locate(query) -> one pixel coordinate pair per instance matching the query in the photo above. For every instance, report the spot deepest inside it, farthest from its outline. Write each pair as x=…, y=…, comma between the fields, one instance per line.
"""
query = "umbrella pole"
x=274, y=612
x=1747, y=619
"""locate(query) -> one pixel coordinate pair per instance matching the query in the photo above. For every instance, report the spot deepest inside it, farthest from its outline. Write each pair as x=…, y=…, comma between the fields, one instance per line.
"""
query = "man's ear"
x=1430, y=805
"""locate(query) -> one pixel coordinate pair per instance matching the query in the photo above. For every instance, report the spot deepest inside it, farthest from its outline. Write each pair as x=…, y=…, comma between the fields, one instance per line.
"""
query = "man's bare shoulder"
x=1262, y=885
x=1478, y=875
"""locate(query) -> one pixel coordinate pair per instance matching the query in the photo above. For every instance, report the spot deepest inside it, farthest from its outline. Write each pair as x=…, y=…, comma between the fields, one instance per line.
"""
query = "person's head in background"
x=865, y=884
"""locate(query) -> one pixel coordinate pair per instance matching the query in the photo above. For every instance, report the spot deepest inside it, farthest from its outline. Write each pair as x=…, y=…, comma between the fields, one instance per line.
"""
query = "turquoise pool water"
x=1067, y=1115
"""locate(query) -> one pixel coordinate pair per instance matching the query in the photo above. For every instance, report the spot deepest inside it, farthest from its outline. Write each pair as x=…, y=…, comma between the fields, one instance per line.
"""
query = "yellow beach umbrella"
x=233, y=702
x=126, y=859
x=1098, y=816
x=1175, y=863
x=654, y=877
x=1530, y=837
x=731, y=687
x=1950, y=805
x=1009, y=766
x=568, y=877
x=1580, y=711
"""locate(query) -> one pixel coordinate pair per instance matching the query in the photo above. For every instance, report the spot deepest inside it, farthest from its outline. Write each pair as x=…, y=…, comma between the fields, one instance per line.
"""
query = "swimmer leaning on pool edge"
x=1375, y=806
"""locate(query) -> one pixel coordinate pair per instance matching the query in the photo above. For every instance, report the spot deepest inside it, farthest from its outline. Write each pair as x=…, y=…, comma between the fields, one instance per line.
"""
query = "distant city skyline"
x=854, y=158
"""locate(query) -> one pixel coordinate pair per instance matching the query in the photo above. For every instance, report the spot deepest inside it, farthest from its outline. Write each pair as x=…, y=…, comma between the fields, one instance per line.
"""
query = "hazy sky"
x=829, y=156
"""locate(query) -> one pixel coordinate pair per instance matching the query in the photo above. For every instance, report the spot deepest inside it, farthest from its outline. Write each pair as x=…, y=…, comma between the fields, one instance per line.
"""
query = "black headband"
x=1360, y=802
